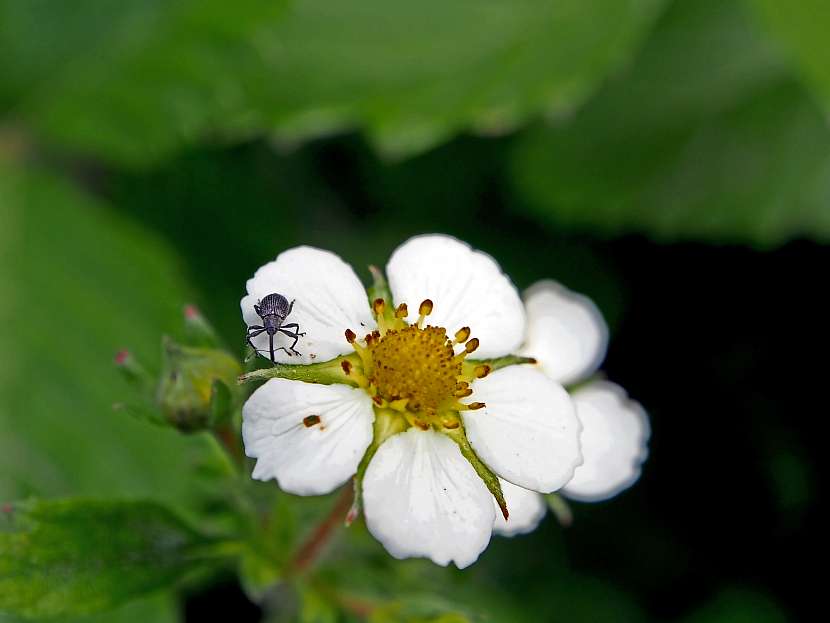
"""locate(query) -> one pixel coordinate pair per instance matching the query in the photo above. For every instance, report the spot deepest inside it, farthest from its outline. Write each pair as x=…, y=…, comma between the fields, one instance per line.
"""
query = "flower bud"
x=194, y=390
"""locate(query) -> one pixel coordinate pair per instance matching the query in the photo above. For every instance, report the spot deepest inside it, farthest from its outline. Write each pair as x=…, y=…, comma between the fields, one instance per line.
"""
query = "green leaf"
x=80, y=283
x=137, y=83
x=156, y=608
x=79, y=556
x=801, y=27
x=708, y=137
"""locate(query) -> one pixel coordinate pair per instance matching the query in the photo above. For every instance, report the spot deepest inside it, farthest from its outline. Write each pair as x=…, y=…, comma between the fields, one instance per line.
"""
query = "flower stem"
x=311, y=548
x=230, y=443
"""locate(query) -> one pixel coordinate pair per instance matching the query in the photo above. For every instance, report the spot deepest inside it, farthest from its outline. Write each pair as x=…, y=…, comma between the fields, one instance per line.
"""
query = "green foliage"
x=136, y=83
x=82, y=282
x=801, y=27
x=78, y=557
x=706, y=137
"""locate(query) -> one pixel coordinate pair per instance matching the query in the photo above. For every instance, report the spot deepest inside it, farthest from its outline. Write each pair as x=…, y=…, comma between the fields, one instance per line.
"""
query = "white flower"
x=442, y=421
x=568, y=337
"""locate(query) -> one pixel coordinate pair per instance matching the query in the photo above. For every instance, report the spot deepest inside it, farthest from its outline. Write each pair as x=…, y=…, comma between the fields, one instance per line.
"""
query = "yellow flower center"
x=414, y=369
x=416, y=364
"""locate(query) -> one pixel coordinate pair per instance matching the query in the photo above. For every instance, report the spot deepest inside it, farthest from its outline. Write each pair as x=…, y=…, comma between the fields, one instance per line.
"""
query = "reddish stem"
x=313, y=545
x=231, y=444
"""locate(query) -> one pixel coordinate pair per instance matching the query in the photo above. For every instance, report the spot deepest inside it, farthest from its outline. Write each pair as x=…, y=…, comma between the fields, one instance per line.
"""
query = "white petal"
x=422, y=498
x=528, y=433
x=615, y=433
x=565, y=332
x=328, y=299
x=467, y=288
x=526, y=509
x=306, y=458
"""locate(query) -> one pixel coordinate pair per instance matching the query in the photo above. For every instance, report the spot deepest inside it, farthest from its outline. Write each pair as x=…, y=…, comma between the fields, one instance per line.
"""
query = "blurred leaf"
x=738, y=606
x=157, y=608
x=707, y=137
x=136, y=83
x=79, y=556
x=133, y=80
x=801, y=26
x=81, y=282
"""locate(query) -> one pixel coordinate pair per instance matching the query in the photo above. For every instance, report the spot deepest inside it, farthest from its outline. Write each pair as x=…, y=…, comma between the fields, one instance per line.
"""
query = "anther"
x=311, y=420
x=463, y=393
x=347, y=366
x=424, y=310
x=350, y=336
x=401, y=311
x=462, y=334
x=482, y=371
x=476, y=405
x=471, y=345
x=450, y=424
x=378, y=305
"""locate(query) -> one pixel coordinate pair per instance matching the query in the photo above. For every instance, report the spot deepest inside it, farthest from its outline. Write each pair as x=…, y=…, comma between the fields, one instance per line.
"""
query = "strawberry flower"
x=412, y=392
x=568, y=337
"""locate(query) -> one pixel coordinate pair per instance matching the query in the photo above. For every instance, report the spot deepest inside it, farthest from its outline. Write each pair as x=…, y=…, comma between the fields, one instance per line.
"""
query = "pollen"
x=413, y=369
x=415, y=364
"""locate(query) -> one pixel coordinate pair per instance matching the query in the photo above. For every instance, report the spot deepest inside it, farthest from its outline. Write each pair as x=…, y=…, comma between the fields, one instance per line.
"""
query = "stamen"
x=482, y=371
x=378, y=307
x=424, y=310
x=461, y=335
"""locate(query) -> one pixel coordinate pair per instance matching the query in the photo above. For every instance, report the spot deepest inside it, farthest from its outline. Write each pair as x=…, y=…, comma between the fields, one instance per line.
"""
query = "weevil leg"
x=296, y=334
x=253, y=331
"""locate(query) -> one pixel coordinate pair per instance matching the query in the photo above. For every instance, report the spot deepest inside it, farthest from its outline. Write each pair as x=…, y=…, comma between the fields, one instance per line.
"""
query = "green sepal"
x=325, y=373
x=459, y=436
x=221, y=404
x=144, y=411
x=560, y=508
x=198, y=331
x=387, y=423
x=135, y=373
x=470, y=365
x=380, y=290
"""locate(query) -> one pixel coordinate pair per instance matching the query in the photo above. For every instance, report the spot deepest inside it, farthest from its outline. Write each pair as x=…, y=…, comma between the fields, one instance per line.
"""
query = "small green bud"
x=135, y=374
x=194, y=389
x=198, y=331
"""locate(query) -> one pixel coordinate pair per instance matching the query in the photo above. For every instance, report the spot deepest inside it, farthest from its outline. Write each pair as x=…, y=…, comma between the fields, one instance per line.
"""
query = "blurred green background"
x=670, y=159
